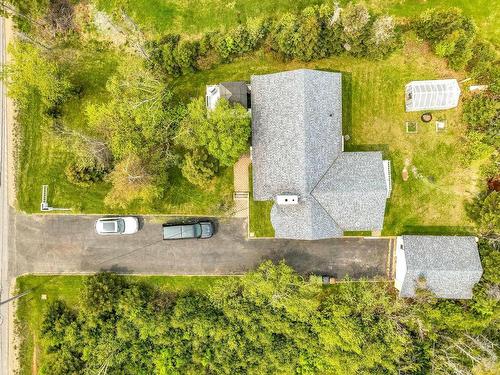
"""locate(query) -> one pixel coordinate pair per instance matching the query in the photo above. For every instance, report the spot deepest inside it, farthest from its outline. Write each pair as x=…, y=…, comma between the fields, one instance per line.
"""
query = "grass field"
x=67, y=288
x=196, y=16
x=374, y=116
x=260, y=220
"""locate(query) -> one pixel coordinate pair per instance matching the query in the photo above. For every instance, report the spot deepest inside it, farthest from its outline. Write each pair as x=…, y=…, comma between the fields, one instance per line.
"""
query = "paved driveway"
x=68, y=244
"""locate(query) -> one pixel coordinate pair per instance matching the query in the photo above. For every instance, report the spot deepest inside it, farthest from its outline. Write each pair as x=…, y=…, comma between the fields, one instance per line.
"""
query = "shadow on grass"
x=375, y=147
x=438, y=230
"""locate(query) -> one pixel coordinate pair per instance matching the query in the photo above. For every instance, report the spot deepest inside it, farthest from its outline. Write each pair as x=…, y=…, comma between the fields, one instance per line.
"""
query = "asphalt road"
x=68, y=244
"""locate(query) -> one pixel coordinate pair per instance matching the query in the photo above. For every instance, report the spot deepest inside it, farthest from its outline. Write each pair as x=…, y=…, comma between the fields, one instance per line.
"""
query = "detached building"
x=234, y=92
x=432, y=95
x=449, y=266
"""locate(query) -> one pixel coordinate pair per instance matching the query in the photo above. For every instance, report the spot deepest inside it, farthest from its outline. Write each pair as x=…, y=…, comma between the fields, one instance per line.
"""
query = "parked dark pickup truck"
x=199, y=229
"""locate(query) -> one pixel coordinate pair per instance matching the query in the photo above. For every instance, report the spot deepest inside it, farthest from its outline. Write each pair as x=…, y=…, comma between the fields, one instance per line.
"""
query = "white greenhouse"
x=432, y=95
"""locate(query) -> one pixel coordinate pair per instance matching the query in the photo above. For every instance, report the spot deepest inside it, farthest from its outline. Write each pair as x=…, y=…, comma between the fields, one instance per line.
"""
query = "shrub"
x=199, y=168
x=484, y=210
x=482, y=114
x=450, y=33
x=168, y=48
x=85, y=175
x=186, y=55
x=307, y=45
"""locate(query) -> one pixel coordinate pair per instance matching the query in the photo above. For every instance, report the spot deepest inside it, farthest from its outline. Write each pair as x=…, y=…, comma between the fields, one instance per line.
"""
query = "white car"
x=117, y=225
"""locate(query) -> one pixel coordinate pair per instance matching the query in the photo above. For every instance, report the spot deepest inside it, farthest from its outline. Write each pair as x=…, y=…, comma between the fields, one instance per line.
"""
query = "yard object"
x=440, y=125
x=411, y=127
x=404, y=173
x=44, y=206
x=426, y=117
x=432, y=95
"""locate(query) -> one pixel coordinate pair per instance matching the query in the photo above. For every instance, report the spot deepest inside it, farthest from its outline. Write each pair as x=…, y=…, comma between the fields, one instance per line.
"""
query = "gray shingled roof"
x=449, y=264
x=354, y=192
x=235, y=92
x=297, y=148
x=304, y=221
x=296, y=130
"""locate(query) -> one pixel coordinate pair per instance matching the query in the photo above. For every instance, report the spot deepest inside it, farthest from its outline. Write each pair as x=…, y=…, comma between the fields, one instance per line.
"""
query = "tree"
x=199, y=168
x=308, y=33
x=383, y=38
x=355, y=20
x=482, y=114
x=33, y=72
x=284, y=35
x=224, y=132
x=131, y=181
x=484, y=210
x=450, y=33
x=186, y=55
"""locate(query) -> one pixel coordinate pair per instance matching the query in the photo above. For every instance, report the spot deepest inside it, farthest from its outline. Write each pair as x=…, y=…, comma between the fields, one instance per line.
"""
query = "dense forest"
x=273, y=321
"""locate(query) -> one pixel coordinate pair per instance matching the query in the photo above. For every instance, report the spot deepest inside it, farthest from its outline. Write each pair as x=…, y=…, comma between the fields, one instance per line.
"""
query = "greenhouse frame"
x=432, y=95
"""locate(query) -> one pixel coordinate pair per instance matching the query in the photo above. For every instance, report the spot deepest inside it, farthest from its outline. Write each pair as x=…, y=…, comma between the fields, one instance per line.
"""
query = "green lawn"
x=67, y=288
x=194, y=16
x=260, y=211
x=43, y=158
x=374, y=117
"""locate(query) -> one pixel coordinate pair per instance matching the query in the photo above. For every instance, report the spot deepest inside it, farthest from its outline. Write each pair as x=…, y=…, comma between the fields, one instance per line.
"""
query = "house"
x=449, y=266
x=298, y=159
x=432, y=95
x=234, y=92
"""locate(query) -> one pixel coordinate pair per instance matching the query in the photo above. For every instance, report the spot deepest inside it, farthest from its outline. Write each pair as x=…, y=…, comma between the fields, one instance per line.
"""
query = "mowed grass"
x=432, y=200
x=260, y=211
x=67, y=288
x=197, y=16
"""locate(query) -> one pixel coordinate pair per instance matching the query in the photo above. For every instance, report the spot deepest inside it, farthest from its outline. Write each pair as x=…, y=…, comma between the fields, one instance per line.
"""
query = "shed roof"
x=235, y=92
x=432, y=94
x=450, y=265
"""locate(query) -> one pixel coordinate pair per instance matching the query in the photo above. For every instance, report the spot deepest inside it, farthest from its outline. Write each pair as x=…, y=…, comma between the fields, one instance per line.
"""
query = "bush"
x=484, y=210
x=168, y=48
x=284, y=35
x=482, y=114
x=186, y=55
x=450, y=33
x=199, y=168
x=85, y=175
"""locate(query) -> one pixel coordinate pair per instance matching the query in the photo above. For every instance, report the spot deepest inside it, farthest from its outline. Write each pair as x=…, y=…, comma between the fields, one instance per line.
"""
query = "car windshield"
x=121, y=225
x=197, y=230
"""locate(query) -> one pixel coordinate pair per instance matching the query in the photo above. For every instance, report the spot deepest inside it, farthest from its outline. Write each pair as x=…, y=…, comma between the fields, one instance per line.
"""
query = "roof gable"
x=354, y=191
x=296, y=130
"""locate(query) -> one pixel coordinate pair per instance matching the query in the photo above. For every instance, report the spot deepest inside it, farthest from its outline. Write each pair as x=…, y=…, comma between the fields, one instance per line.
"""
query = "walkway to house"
x=241, y=186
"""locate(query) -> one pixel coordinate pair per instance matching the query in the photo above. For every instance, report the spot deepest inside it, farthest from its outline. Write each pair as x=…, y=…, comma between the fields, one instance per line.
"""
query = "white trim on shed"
x=432, y=95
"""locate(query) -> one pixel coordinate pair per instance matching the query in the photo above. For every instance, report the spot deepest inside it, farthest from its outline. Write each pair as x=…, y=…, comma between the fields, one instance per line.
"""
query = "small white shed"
x=432, y=95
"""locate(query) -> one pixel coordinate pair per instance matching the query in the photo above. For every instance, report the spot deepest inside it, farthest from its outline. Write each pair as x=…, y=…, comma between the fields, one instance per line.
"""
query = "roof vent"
x=286, y=199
